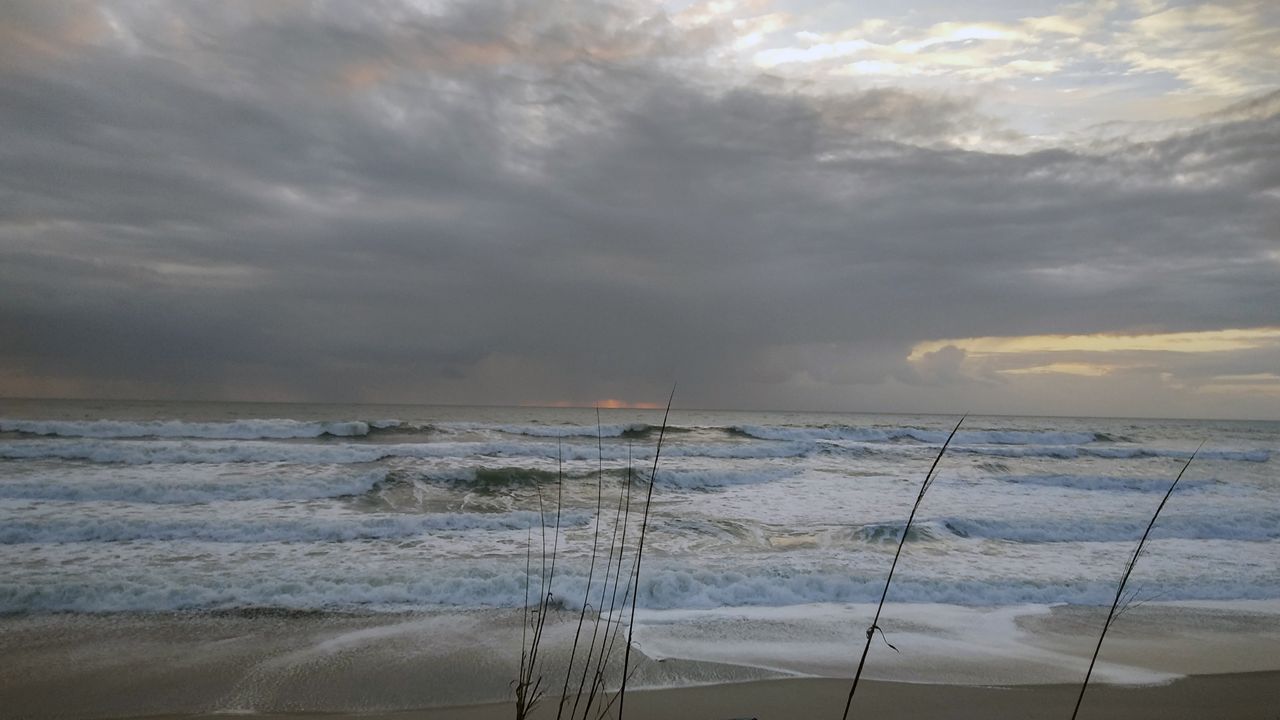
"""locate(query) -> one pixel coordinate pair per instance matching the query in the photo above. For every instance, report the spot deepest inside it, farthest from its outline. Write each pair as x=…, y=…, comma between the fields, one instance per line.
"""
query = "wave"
x=56, y=529
x=1107, y=482
x=496, y=477
x=1051, y=530
x=895, y=434
x=679, y=588
x=891, y=532
x=478, y=584
x=142, y=452
x=187, y=484
x=1239, y=527
x=709, y=479
x=276, y=429
x=623, y=430
x=382, y=428
x=1118, y=453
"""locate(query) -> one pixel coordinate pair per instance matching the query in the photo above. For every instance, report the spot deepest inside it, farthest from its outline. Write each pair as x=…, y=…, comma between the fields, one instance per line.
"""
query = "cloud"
x=478, y=203
x=1046, y=71
x=1226, y=363
x=1233, y=47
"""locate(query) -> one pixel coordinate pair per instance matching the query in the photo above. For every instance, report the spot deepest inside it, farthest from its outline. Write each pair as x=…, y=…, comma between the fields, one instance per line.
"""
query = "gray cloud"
x=487, y=205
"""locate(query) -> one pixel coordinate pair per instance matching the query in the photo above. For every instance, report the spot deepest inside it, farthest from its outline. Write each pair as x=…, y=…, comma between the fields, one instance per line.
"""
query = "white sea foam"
x=1249, y=527
x=685, y=479
x=189, y=484
x=1118, y=453
x=303, y=584
x=231, y=430
x=701, y=479
x=48, y=527
x=560, y=431
x=1108, y=482
x=941, y=643
x=742, y=451
x=881, y=435
x=810, y=515
x=211, y=451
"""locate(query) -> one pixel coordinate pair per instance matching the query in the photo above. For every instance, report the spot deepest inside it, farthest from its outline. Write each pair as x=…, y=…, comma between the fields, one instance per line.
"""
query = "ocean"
x=130, y=507
x=241, y=557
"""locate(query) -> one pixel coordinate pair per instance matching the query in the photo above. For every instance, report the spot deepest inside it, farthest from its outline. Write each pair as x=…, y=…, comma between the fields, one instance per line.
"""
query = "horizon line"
x=539, y=406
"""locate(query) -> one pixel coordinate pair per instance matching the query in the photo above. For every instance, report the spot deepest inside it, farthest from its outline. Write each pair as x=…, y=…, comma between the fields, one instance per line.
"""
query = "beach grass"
x=1116, y=605
x=906, y=530
x=590, y=698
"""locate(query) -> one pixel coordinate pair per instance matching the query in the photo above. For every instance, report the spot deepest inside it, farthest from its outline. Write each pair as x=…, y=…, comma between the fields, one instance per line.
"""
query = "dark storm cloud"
x=496, y=204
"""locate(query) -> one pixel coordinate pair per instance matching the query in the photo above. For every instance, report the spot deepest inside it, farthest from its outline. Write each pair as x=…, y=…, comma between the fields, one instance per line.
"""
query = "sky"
x=1003, y=207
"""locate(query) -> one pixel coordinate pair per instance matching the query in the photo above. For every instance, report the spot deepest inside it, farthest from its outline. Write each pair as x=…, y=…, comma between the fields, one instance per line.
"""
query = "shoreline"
x=1225, y=695
x=1163, y=661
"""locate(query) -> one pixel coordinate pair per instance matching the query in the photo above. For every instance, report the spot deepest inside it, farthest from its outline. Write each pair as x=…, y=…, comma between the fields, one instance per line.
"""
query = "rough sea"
x=151, y=507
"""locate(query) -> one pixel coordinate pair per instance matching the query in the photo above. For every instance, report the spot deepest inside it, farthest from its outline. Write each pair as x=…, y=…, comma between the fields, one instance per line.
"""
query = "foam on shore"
x=250, y=662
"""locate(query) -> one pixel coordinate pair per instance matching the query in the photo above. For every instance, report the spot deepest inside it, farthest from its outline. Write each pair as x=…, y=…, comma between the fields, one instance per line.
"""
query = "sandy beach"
x=458, y=667
x=1236, y=695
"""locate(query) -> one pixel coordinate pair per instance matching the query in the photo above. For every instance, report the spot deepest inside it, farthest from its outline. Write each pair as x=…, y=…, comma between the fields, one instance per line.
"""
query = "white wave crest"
x=1119, y=453
x=705, y=479
x=61, y=528
x=189, y=484
x=230, y=430
x=565, y=431
x=139, y=452
x=883, y=435
x=1107, y=482
x=1043, y=530
x=488, y=585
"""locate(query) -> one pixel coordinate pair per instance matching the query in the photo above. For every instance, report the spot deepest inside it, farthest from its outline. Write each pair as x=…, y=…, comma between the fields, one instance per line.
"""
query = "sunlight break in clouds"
x=1099, y=61
x=1187, y=342
x=1108, y=353
x=781, y=204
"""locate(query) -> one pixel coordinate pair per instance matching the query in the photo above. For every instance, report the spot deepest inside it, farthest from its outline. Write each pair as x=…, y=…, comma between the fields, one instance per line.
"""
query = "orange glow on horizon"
x=614, y=404
x=608, y=404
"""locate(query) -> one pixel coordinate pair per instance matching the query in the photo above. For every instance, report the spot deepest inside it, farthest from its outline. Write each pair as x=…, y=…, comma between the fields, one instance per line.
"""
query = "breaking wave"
x=624, y=430
x=274, y=429
x=1044, y=530
x=708, y=479
x=186, y=484
x=1118, y=453
x=266, y=529
x=882, y=435
x=492, y=585
x=1107, y=482
x=141, y=452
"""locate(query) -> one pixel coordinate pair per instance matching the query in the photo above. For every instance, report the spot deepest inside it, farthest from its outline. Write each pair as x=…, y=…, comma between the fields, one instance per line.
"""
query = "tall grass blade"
x=1124, y=579
x=595, y=668
x=525, y=622
x=529, y=688
x=591, y=570
x=875, y=622
x=612, y=633
x=644, y=528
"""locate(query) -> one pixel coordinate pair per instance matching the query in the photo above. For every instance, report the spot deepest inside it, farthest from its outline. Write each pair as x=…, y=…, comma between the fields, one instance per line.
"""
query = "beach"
x=188, y=559
x=1251, y=695
x=1166, y=662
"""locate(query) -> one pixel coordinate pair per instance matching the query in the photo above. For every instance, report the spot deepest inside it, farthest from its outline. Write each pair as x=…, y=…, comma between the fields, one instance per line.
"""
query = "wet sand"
x=1236, y=695
x=1220, y=663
